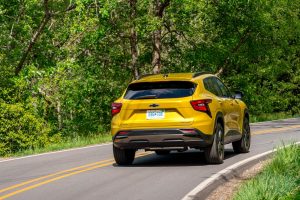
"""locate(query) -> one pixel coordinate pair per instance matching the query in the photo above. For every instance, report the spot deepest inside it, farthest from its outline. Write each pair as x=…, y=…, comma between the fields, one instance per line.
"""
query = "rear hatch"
x=164, y=104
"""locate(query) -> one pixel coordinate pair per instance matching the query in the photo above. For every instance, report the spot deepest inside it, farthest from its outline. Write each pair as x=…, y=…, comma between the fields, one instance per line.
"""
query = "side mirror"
x=238, y=95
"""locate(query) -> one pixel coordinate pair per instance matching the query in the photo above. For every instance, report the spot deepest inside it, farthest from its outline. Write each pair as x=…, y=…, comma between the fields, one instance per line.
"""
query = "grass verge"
x=279, y=180
x=271, y=116
x=67, y=144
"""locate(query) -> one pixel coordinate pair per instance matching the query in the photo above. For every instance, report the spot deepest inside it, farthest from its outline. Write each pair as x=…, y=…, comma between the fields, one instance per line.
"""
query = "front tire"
x=243, y=145
x=123, y=156
x=215, y=153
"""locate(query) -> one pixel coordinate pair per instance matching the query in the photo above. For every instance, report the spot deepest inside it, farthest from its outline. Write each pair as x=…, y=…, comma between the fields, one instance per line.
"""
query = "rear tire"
x=215, y=153
x=123, y=156
x=243, y=145
x=162, y=152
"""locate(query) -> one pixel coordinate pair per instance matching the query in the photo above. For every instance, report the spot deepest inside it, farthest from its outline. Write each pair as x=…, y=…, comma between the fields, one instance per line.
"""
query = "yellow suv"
x=178, y=111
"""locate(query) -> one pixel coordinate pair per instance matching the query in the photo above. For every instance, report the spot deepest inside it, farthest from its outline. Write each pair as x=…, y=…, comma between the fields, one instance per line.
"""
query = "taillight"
x=202, y=105
x=115, y=108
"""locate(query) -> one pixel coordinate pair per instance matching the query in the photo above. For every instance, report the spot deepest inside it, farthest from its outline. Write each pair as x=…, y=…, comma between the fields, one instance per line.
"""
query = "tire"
x=162, y=152
x=243, y=145
x=123, y=156
x=215, y=153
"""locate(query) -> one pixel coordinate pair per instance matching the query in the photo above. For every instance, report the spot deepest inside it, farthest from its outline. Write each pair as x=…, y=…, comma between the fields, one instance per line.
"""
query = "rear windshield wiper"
x=152, y=96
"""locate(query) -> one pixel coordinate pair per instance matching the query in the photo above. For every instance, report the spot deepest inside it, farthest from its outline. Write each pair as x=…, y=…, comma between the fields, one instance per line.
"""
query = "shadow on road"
x=175, y=159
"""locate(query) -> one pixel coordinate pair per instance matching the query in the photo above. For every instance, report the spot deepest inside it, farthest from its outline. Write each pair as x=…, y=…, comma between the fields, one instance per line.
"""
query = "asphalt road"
x=90, y=173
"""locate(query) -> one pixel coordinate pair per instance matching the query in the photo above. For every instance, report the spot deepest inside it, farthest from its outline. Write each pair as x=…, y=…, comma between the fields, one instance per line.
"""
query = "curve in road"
x=90, y=173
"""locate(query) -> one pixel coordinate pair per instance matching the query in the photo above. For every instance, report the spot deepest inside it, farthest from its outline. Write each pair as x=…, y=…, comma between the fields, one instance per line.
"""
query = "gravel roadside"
x=227, y=190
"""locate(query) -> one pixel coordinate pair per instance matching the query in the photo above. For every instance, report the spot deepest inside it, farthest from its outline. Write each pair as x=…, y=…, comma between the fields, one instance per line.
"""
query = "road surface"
x=90, y=173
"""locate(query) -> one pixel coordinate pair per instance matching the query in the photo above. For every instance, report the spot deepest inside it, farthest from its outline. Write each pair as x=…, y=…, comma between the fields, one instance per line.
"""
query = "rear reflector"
x=188, y=131
x=115, y=108
x=123, y=133
x=202, y=105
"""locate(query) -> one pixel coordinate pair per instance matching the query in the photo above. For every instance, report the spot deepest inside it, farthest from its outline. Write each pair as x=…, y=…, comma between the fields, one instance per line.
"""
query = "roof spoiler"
x=200, y=73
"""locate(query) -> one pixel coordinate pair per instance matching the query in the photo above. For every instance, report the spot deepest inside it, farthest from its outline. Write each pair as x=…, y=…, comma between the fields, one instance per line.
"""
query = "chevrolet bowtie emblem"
x=154, y=105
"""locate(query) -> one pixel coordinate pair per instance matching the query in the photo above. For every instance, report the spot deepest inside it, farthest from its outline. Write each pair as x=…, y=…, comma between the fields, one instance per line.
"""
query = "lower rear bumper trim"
x=141, y=139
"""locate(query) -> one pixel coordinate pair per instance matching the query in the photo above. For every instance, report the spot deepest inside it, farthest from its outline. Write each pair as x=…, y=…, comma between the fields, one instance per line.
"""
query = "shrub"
x=20, y=129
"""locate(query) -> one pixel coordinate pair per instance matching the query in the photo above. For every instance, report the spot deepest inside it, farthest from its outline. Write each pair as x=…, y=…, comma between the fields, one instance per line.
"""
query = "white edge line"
x=54, y=152
x=275, y=120
x=215, y=177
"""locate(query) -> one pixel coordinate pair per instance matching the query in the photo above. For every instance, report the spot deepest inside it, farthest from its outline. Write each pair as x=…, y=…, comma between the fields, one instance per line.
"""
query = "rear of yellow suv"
x=179, y=111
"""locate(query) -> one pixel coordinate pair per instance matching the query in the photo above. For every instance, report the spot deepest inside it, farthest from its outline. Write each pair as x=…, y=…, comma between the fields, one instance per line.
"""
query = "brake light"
x=115, y=108
x=202, y=105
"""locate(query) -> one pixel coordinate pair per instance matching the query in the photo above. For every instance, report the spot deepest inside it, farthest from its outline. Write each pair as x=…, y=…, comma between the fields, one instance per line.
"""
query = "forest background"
x=63, y=62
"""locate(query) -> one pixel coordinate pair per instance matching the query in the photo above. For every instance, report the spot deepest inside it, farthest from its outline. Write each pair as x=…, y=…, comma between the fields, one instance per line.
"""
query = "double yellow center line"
x=56, y=176
x=272, y=130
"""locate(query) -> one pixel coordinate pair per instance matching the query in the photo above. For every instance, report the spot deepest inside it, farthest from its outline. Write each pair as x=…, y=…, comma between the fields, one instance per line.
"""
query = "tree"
x=73, y=58
x=159, y=8
x=133, y=39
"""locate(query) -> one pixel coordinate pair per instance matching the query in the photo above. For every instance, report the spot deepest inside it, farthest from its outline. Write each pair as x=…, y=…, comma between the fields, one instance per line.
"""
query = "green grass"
x=271, y=116
x=279, y=180
x=67, y=144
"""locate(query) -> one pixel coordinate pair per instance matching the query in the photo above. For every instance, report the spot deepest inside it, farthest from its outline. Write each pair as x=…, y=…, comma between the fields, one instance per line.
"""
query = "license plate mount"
x=155, y=114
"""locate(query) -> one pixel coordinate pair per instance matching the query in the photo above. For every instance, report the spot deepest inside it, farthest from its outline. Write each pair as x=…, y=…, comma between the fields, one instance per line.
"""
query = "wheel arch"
x=220, y=119
x=246, y=114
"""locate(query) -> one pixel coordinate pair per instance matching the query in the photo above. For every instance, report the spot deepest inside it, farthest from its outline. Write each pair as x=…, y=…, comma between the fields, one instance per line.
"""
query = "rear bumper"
x=151, y=138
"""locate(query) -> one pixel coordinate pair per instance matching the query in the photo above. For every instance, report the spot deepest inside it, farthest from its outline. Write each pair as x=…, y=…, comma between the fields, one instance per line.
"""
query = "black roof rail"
x=145, y=75
x=200, y=73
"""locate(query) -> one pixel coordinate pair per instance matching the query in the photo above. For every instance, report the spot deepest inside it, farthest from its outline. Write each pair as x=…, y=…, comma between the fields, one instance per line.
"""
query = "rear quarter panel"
x=203, y=121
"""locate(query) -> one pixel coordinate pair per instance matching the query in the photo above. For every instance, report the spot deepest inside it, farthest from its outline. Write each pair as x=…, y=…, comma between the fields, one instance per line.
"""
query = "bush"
x=20, y=129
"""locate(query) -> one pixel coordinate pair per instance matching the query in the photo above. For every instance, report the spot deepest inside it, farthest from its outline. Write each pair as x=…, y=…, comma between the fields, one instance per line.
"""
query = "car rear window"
x=160, y=90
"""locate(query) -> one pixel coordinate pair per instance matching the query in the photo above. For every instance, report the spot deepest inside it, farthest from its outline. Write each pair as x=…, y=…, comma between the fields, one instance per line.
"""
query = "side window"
x=207, y=85
x=216, y=87
x=211, y=86
x=223, y=88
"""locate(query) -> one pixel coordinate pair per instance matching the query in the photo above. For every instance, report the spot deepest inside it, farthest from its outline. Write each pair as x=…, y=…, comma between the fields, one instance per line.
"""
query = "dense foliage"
x=63, y=62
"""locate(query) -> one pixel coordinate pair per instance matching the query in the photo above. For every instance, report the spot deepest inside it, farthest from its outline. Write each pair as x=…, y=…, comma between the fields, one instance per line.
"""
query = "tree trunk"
x=59, y=117
x=45, y=20
x=133, y=40
x=156, y=55
x=159, y=8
